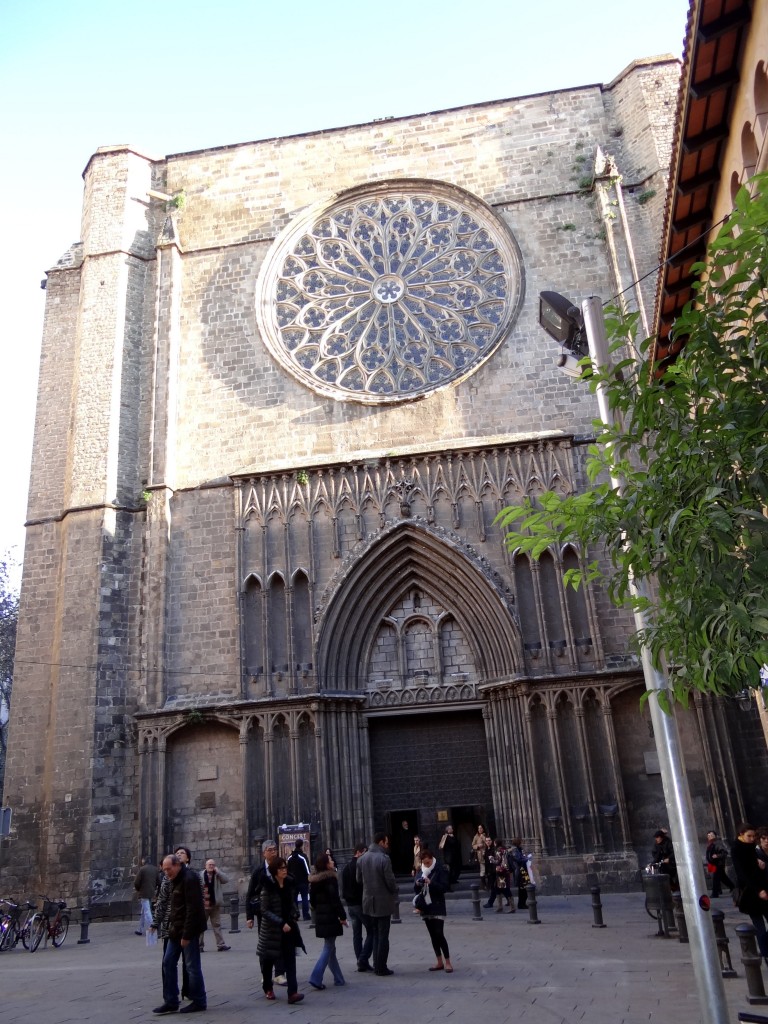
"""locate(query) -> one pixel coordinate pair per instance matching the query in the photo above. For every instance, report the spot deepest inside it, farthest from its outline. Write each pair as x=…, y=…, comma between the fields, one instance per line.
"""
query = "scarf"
x=425, y=873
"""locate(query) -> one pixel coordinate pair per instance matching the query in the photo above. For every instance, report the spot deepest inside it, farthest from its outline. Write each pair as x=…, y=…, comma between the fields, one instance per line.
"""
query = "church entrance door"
x=433, y=764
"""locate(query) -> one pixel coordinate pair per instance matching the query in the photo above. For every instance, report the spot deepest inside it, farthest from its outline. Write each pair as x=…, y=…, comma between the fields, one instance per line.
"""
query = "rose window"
x=390, y=292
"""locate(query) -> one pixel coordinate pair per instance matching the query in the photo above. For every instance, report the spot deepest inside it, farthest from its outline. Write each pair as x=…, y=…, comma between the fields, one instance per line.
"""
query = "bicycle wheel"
x=7, y=932
x=37, y=930
x=26, y=932
x=60, y=930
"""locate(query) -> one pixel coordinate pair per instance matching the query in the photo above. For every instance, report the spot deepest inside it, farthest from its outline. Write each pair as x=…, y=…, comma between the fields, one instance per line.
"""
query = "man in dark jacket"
x=298, y=869
x=185, y=925
x=352, y=894
x=374, y=871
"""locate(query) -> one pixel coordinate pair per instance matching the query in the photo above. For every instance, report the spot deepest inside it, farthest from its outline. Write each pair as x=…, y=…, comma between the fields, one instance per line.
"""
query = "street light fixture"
x=582, y=331
x=564, y=322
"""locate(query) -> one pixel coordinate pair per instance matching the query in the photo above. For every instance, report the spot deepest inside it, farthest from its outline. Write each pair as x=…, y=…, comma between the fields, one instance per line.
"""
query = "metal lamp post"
x=564, y=322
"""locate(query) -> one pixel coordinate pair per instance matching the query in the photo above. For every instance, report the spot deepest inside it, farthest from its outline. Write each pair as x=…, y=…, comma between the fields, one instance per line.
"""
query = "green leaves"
x=692, y=454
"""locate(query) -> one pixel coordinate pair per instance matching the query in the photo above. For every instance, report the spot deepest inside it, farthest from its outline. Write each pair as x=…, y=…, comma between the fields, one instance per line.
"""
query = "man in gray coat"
x=374, y=872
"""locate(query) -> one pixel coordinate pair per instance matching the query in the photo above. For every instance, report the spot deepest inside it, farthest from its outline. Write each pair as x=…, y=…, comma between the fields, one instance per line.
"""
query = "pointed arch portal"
x=410, y=556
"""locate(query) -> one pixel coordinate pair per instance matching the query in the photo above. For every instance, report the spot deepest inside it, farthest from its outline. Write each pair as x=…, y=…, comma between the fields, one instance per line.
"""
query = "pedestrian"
x=330, y=919
x=253, y=898
x=185, y=857
x=519, y=878
x=751, y=892
x=663, y=856
x=186, y=922
x=451, y=851
x=431, y=885
x=501, y=880
x=374, y=871
x=212, y=880
x=717, y=855
x=145, y=884
x=352, y=894
x=402, y=847
x=298, y=869
x=478, y=851
x=279, y=935
x=416, y=857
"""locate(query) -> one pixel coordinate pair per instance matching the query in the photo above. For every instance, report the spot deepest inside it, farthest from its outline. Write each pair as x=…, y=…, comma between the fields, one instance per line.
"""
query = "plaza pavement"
x=557, y=972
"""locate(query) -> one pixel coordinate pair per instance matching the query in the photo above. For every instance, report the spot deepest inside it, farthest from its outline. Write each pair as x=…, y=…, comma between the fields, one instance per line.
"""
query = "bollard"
x=477, y=913
x=234, y=913
x=597, y=908
x=85, y=920
x=718, y=923
x=533, y=917
x=677, y=909
x=396, y=914
x=752, y=961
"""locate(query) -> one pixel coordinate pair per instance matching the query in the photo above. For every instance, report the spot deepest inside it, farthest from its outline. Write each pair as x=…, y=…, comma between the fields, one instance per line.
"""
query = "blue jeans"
x=378, y=930
x=362, y=952
x=191, y=954
x=327, y=958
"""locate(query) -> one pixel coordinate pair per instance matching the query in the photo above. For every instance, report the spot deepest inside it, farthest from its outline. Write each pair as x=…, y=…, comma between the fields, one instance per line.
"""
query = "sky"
x=171, y=77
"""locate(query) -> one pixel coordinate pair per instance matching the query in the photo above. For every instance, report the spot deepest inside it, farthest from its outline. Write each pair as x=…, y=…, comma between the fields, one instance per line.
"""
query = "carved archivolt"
x=412, y=557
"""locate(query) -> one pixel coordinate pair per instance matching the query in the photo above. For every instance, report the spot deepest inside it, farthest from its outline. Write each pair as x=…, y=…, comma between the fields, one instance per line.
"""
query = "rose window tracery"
x=390, y=292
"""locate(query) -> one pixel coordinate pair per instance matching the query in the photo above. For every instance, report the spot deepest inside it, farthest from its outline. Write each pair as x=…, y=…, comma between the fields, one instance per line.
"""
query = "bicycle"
x=14, y=923
x=50, y=923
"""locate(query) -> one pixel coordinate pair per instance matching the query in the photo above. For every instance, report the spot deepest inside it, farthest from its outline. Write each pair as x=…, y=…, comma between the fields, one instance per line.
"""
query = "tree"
x=9, y=616
x=692, y=449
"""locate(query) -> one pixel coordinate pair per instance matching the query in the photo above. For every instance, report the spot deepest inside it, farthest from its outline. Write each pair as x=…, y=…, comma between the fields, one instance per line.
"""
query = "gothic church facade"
x=286, y=387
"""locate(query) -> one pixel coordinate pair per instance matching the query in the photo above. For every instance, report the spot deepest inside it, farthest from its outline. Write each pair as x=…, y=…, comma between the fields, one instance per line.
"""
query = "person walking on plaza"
x=185, y=857
x=352, y=894
x=145, y=884
x=212, y=880
x=499, y=874
x=279, y=935
x=752, y=883
x=451, y=851
x=663, y=856
x=374, y=871
x=298, y=869
x=517, y=862
x=416, y=862
x=431, y=885
x=478, y=851
x=186, y=923
x=330, y=919
x=717, y=855
x=253, y=897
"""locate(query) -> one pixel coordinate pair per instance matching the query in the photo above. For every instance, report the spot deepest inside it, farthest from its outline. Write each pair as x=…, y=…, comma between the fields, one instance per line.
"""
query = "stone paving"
x=506, y=969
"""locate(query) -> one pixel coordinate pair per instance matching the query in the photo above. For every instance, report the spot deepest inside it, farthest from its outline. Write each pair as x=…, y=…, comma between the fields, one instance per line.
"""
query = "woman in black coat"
x=278, y=932
x=433, y=881
x=330, y=918
x=752, y=882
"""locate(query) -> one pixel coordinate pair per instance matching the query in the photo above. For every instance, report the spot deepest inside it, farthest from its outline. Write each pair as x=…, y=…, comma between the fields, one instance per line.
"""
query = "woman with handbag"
x=330, y=918
x=431, y=885
x=279, y=935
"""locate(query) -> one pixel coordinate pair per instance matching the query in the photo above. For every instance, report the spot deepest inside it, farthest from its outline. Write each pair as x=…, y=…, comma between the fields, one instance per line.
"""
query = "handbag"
x=419, y=901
